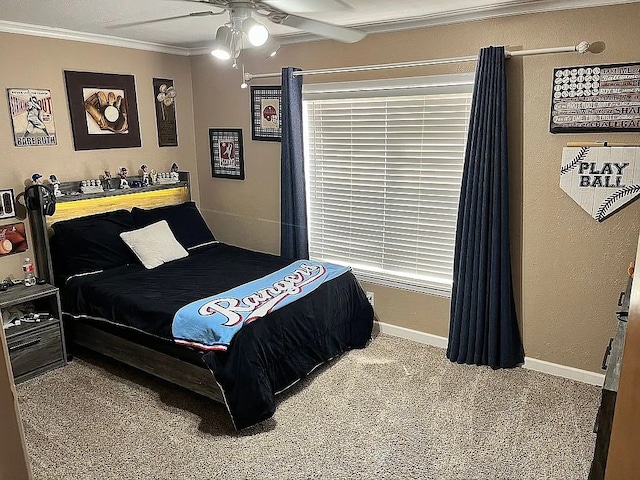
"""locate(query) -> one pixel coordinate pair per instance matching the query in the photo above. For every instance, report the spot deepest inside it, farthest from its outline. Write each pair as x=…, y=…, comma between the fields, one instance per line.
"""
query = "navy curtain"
x=294, y=242
x=483, y=328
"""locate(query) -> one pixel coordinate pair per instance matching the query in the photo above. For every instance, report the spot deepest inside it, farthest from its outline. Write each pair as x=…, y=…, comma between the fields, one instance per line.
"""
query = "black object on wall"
x=40, y=197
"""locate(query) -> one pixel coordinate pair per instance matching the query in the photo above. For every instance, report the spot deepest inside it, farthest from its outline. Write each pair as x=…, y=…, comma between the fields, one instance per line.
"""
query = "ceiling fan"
x=242, y=27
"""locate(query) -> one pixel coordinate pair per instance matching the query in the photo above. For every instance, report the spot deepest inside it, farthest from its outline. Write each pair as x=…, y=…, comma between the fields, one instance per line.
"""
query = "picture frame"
x=164, y=94
x=266, y=113
x=595, y=98
x=227, y=153
x=103, y=109
x=32, y=118
x=7, y=203
x=13, y=238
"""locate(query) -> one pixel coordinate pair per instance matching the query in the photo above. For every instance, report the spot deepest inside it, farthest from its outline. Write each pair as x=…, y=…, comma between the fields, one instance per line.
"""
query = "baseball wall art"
x=601, y=180
x=596, y=98
x=31, y=117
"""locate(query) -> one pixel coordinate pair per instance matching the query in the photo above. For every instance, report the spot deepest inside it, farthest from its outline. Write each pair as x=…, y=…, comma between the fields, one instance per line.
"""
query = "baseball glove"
x=108, y=111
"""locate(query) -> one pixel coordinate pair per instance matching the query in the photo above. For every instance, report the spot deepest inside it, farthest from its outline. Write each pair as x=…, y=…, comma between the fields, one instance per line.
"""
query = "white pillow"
x=154, y=244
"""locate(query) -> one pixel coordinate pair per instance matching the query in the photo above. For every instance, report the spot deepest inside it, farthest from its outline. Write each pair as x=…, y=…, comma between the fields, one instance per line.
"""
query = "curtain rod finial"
x=582, y=47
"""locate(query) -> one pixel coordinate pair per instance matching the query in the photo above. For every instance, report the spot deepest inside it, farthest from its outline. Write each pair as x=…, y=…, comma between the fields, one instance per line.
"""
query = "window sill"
x=435, y=290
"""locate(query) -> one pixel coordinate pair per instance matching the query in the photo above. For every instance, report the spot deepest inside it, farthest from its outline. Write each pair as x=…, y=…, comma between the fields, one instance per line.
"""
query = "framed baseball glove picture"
x=103, y=108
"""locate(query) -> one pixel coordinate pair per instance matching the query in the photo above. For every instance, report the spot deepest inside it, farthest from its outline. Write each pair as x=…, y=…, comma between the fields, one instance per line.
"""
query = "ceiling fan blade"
x=302, y=6
x=323, y=29
x=165, y=19
x=216, y=3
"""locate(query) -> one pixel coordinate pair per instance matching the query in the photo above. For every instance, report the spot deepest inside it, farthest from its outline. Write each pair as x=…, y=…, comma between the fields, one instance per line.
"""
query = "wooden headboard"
x=80, y=205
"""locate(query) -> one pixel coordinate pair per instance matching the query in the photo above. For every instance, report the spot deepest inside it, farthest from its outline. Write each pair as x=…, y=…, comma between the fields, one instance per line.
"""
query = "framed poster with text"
x=31, y=117
x=597, y=98
x=165, y=102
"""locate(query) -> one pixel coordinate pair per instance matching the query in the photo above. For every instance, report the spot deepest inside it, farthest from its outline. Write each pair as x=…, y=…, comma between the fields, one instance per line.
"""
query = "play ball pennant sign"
x=601, y=180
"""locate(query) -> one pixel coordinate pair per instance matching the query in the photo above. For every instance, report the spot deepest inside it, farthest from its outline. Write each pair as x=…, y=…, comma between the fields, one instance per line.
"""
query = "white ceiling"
x=100, y=21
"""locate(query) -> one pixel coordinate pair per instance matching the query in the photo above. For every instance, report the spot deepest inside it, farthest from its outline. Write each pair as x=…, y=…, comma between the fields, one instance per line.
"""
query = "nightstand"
x=35, y=348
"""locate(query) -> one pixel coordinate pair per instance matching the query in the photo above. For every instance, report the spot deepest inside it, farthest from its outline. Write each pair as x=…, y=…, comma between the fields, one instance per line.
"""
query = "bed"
x=119, y=301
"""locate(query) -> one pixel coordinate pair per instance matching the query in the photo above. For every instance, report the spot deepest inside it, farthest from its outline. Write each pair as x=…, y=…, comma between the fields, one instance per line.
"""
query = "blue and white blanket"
x=211, y=323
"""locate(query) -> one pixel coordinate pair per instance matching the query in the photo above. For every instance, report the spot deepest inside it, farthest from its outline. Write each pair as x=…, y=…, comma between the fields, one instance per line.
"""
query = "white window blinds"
x=384, y=164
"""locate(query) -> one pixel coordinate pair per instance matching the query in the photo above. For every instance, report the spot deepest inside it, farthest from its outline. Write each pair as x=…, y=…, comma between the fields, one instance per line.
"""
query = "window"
x=384, y=165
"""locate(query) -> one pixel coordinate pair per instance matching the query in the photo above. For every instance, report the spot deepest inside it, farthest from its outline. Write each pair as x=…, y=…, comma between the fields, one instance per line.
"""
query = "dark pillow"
x=184, y=219
x=91, y=243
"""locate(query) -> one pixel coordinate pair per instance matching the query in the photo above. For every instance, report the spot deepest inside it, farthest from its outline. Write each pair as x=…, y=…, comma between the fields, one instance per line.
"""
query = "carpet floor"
x=395, y=410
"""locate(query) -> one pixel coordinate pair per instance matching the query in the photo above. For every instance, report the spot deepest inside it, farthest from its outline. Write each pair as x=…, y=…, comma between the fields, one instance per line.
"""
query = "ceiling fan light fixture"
x=223, y=45
x=270, y=48
x=256, y=32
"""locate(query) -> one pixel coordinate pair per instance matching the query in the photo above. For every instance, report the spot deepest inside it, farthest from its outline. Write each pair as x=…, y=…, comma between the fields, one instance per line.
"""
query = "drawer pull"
x=621, y=298
x=606, y=354
x=28, y=344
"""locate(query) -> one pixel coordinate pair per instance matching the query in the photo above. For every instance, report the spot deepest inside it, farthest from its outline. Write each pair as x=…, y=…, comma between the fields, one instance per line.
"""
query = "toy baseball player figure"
x=34, y=117
x=122, y=173
x=107, y=180
x=145, y=175
x=56, y=185
x=36, y=179
x=174, y=172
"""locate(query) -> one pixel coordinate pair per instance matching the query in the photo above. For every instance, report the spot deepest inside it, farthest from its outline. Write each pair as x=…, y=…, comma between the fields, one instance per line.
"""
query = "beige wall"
x=34, y=62
x=568, y=269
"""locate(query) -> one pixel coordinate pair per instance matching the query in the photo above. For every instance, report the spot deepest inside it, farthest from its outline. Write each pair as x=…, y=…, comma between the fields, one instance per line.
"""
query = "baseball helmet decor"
x=601, y=180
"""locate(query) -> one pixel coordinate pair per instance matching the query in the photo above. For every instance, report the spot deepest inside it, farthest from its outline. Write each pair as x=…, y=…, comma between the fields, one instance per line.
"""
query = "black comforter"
x=266, y=356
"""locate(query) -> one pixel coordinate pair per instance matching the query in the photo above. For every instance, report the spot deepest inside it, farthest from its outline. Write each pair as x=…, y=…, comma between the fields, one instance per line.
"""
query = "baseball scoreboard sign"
x=600, y=98
x=601, y=180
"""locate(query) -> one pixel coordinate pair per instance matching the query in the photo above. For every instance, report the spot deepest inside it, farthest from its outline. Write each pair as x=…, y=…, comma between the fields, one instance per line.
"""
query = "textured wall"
x=35, y=62
x=568, y=269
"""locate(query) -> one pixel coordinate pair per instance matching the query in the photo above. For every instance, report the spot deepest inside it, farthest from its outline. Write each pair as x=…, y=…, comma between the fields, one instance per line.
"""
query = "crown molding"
x=63, y=34
x=506, y=8
x=503, y=9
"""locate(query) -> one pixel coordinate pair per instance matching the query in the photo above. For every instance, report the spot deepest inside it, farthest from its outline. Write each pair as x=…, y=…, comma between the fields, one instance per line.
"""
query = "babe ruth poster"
x=601, y=180
x=31, y=117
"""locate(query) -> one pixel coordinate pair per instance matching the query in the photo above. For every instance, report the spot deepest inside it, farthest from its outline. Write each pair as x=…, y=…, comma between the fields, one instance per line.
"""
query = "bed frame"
x=77, y=333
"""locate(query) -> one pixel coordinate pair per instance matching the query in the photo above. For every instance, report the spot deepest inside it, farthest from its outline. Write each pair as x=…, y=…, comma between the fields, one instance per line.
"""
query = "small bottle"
x=29, y=276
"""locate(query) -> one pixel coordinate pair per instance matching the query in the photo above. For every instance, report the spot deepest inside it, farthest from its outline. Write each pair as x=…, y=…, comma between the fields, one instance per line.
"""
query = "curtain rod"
x=582, y=47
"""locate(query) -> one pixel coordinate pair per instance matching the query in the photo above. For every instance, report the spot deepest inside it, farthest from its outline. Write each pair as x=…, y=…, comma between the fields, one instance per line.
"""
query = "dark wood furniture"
x=35, y=347
x=611, y=362
x=174, y=370
x=623, y=462
x=14, y=461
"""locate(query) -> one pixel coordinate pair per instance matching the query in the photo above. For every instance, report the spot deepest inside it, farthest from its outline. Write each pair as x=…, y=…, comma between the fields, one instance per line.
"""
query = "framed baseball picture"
x=226, y=153
x=165, y=101
x=31, y=117
x=266, y=113
x=13, y=238
x=103, y=108
x=7, y=203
